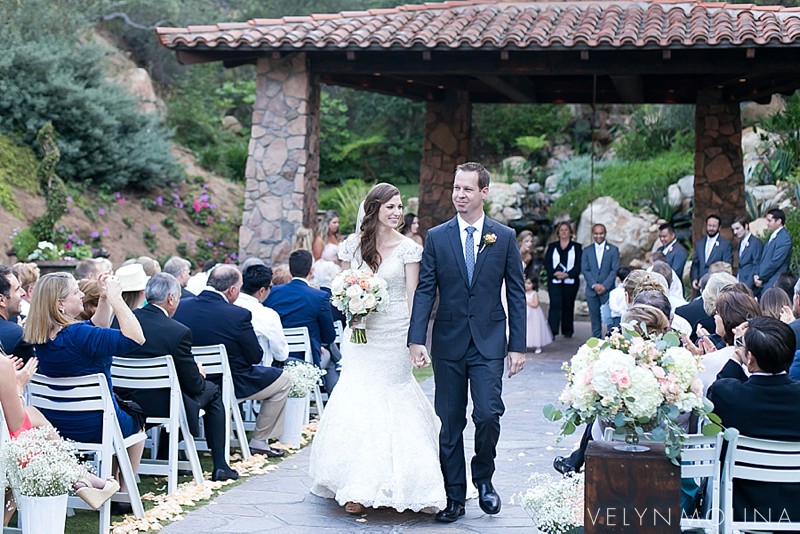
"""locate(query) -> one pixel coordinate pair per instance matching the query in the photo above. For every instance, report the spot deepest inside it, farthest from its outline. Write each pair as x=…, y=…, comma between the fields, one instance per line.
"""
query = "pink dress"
x=538, y=333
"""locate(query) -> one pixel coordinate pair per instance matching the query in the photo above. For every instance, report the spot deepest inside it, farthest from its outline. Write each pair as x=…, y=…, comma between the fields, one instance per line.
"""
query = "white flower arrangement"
x=635, y=385
x=38, y=466
x=304, y=377
x=554, y=504
x=357, y=293
x=45, y=250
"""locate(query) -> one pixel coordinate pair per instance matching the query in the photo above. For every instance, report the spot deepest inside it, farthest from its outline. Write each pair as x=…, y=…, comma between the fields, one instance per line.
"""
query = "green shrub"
x=655, y=129
x=345, y=199
x=102, y=136
x=626, y=182
x=496, y=127
x=793, y=227
x=18, y=166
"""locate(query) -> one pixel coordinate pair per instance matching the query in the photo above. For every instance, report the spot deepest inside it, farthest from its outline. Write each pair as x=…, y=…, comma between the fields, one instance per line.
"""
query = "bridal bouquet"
x=634, y=385
x=357, y=293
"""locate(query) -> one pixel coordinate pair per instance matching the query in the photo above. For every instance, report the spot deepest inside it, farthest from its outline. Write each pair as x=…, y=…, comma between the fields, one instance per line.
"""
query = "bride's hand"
x=418, y=355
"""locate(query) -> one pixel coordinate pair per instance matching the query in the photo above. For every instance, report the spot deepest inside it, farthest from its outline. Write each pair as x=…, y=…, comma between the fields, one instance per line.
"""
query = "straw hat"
x=132, y=277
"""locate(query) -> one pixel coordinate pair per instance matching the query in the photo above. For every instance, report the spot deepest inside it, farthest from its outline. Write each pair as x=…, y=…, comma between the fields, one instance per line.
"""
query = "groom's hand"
x=418, y=355
x=515, y=361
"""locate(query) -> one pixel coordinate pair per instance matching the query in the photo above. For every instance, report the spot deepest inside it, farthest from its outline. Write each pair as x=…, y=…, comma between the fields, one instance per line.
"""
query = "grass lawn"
x=423, y=374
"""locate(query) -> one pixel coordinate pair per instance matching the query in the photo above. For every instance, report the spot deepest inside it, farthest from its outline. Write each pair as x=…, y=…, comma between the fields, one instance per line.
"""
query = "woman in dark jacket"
x=562, y=261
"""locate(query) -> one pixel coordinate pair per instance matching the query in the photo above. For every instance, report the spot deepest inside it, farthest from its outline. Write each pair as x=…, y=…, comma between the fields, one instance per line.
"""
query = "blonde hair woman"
x=326, y=244
x=67, y=347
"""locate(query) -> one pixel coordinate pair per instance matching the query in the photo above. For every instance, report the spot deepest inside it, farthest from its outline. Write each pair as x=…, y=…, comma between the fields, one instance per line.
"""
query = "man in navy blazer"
x=761, y=406
x=673, y=251
x=167, y=336
x=710, y=249
x=749, y=252
x=599, y=266
x=777, y=252
x=467, y=259
x=214, y=319
x=299, y=304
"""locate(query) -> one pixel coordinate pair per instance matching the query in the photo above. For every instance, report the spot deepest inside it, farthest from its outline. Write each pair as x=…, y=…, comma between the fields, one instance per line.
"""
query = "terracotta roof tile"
x=472, y=24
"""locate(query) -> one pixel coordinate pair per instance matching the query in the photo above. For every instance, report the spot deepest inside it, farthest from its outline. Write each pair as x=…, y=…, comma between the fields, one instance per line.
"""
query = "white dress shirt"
x=743, y=244
x=598, y=251
x=476, y=236
x=268, y=328
x=710, y=242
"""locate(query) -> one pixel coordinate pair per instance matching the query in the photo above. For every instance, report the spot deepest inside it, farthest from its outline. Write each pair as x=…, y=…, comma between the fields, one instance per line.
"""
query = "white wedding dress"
x=378, y=441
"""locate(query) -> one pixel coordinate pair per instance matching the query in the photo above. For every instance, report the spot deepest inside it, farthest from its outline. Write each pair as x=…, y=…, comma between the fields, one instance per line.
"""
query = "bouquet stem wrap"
x=359, y=327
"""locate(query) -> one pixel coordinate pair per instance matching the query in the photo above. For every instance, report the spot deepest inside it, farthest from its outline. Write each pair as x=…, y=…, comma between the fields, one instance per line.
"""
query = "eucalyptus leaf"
x=711, y=430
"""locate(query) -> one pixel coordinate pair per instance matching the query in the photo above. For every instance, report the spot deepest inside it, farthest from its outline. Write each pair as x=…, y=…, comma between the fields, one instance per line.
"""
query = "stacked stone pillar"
x=283, y=162
x=446, y=144
x=718, y=167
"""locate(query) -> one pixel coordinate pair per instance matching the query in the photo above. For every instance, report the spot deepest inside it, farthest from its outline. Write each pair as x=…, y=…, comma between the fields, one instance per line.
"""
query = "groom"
x=467, y=259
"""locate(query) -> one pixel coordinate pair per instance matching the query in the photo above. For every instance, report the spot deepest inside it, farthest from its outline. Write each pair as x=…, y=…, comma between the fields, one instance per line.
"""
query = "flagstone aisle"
x=281, y=502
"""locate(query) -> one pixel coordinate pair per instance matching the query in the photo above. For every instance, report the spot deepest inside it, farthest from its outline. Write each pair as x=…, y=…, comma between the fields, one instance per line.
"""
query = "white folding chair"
x=88, y=394
x=159, y=373
x=299, y=341
x=776, y=462
x=215, y=361
x=339, y=327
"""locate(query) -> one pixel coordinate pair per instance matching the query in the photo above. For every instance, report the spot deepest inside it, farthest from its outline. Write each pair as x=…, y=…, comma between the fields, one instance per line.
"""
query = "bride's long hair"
x=379, y=195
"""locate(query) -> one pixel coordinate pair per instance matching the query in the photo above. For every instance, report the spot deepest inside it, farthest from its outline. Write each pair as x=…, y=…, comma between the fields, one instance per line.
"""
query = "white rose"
x=353, y=291
x=370, y=301
x=356, y=306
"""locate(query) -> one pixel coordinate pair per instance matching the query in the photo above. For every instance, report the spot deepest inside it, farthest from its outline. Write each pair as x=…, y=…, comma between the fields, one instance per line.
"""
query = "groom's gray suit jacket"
x=470, y=311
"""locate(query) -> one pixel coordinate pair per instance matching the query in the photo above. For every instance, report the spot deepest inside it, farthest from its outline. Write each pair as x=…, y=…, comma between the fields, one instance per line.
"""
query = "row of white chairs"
x=746, y=459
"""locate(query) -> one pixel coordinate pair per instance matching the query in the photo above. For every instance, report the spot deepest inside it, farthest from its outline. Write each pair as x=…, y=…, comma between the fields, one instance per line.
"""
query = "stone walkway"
x=281, y=502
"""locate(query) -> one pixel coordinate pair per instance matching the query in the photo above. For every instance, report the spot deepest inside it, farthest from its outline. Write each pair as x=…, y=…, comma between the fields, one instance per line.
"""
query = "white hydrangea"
x=683, y=364
x=609, y=373
x=646, y=394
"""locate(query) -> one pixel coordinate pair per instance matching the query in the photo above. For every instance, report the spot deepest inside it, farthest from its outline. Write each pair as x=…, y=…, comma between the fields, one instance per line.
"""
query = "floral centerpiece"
x=554, y=504
x=47, y=251
x=304, y=377
x=357, y=293
x=38, y=466
x=634, y=385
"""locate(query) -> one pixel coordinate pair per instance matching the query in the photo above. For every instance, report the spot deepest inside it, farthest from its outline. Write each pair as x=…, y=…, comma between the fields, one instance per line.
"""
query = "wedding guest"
x=786, y=281
x=562, y=261
x=67, y=348
x=132, y=279
x=304, y=239
x=777, y=251
x=749, y=251
x=10, y=332
x=675, y=283
x=149, y=265
x=617, y=300
x=281, y=275
x=327, y=241
x=538, y=332
x=256, y=286
x=674, y=253
x=91, y=297
x=411, y=228
x=695, y=313
x=525, y=244
x=27, y=274
x=761, y=406
x=774, y=303
x=89, y=269
x=710, y=249
x=181, y=269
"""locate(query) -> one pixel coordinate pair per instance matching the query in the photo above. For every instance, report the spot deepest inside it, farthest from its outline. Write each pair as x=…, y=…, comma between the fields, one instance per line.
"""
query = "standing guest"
x=674, y=253
x=599, y=267
x=164, y=335
x=68, y=348
x=411, y=228
x=10, y=332
x=537, y=333
x=761, y=406
x=132, y=279
x=326, y=244
x=299, y=304
x=27, y=274
x=777, y=252
x=214, y=320
x=256, y=285
x=525, y=244
x=180, y=269
x=749, y=251
x=617, y=300
x=774, y=303
x=709, y=249
x=562, y=261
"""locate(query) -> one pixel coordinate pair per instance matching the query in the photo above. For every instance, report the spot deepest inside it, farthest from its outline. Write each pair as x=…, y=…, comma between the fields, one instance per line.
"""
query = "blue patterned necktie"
x=469, y=252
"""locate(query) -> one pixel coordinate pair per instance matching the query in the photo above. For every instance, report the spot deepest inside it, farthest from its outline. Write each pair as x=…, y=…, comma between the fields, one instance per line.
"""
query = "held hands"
x=418, y=355
x=515, y=361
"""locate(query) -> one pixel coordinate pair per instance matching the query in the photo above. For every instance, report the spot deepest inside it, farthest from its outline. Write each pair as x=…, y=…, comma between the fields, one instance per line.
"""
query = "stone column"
x=283, y=163
x=446, y=144
x=718, y=168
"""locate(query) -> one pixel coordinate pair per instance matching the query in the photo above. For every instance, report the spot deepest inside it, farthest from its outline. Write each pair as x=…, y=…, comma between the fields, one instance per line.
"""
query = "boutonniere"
x=607, y=248
x=488, y=240
x=716, y=243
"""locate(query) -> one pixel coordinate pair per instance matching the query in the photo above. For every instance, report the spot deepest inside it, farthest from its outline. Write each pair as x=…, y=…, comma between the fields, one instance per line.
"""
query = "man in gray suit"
x=599, y=266
x=750, y=249
x=777, y=252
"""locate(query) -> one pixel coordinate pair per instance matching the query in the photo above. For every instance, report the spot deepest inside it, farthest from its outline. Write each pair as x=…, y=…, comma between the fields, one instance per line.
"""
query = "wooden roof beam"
x=511, y=89
x=630, y=88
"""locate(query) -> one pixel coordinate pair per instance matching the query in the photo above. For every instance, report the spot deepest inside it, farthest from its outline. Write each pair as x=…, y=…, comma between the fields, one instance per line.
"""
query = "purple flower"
x=234, y=256
x=160, y=200
x=117, y=194
x=221, y=243
x=101, y=211
x=69, y=199
x=105, y=231
x=94, y=235
x=152, y=227
x=222, y=219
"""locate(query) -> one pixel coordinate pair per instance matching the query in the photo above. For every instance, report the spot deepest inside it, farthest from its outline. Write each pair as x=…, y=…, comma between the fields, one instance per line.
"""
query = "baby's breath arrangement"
x=555, y=505
x=304, y=377
x=38, y=466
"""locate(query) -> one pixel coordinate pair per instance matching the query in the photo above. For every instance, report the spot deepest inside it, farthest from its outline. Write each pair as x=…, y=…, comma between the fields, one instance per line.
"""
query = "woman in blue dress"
x=67, y=347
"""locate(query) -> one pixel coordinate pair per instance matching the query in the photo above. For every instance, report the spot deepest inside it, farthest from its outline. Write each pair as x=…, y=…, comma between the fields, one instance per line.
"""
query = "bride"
x=377, y=442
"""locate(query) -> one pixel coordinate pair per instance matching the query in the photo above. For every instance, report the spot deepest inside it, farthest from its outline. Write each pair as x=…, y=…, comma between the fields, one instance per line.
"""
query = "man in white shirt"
x=256, y=284
x=599, y=265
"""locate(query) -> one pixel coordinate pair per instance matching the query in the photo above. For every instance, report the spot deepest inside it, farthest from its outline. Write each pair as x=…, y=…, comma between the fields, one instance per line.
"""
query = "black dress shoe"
x=488, y=498
x=224, y=473
x=121, y=508
x=451, y=513
x=561, y=465
x=270, y=452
